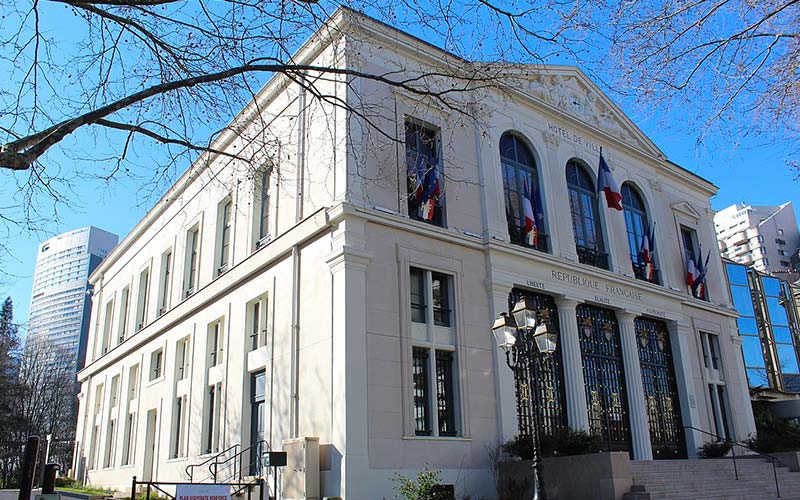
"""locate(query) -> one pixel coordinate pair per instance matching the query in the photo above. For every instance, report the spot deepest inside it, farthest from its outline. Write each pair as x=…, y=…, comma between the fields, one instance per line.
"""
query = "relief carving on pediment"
x=570, y=95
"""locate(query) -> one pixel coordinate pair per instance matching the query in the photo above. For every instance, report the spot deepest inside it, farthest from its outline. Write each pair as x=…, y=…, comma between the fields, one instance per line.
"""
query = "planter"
x=599, y=476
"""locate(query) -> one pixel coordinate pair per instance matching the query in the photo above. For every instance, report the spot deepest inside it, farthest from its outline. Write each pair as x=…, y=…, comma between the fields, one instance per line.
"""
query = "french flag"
x=691, y=273
x=607, y=185
x=432, y=189
x=646, y=256
x=700, y=282
x=531, y=230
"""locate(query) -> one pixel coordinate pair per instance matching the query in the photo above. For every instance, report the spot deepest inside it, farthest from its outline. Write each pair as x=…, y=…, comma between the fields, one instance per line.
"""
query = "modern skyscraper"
x=60, y=304
x=764, y=237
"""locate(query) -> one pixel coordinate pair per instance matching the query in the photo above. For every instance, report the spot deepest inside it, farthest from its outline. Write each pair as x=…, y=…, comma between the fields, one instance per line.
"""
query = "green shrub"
x=773, y=434
x=714, y=449
x=65, y=482
x=560, y=443
x=419, y=488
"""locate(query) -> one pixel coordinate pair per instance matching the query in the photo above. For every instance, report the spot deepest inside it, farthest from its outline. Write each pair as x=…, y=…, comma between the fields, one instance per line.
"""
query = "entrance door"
x=150, y=445
x=660, y=389
x=604, y=376
x=257, y=430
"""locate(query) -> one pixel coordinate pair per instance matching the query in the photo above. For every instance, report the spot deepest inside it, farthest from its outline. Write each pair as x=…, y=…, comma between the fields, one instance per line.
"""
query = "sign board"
x=273, y=459
x=203, y=492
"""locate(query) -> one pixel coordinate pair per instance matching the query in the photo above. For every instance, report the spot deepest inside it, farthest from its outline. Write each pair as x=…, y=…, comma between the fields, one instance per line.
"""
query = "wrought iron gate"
x=544, y=381
x=660, y=389
x=604, y=377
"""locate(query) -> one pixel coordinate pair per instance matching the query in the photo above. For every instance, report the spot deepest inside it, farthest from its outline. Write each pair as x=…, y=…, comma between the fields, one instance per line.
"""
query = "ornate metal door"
x=660, y=389
x=544, y=381
x=604, y=377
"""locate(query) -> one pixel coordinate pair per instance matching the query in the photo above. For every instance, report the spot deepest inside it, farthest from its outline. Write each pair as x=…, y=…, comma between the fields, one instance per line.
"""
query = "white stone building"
x=304, y=296
x=765, y=237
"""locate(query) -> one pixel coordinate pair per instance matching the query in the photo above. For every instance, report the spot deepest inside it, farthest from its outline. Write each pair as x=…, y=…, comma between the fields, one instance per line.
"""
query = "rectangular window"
x=689, y=238
x=123, y=314
x=257, y=322
x=128, y=437
x=711, y=353
x=211, y=418
x=192, y=252
x=114, y=391
x=164, y=286
x=215, y=343
x=433, y=355
x=422, y=425
x=110, y=438
x=261, y=212
x=424, y=169
x=182, y=359
x=141, y=305
x=179, y=426
x=107, y=322
x=156, y=361
x=98, y=399
x=224, y=235
x=133, y=382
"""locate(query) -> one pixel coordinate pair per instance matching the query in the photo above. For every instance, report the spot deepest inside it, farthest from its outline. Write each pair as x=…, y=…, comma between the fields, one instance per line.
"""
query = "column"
x=637, y=410
x=507, y=423
x=577, y=414
x=681, y=339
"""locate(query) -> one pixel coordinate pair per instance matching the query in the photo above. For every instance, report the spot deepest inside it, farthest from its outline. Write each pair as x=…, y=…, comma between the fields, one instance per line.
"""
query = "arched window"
x=585, y=217
x=640, y=241
x=521, y=191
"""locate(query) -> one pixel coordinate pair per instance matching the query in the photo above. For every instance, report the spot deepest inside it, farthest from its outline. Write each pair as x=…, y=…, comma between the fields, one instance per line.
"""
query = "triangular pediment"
x=684, y=208
x=569, y=90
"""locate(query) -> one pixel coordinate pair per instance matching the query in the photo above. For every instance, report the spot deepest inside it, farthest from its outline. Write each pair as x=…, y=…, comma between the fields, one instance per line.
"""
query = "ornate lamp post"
x=525, y=339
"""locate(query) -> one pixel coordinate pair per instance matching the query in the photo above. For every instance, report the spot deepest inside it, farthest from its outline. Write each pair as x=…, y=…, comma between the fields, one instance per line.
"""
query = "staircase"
x=711, y=479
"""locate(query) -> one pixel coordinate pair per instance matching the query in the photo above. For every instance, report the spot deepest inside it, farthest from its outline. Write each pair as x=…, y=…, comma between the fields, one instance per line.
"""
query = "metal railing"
x=592, y=256
x=261, y=446
x=190, y=468
x=734, y=444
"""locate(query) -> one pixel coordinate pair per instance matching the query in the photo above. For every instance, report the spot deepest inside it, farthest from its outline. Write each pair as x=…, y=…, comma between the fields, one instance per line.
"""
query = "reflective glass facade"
x=768, y=327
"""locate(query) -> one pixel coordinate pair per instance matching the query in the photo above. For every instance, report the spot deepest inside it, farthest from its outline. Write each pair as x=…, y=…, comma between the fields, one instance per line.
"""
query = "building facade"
x=60, y=306
x=345, y=288
x=765, y=237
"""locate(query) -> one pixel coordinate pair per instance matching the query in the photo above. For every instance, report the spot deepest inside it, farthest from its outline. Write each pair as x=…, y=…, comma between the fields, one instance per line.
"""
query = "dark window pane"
x=420, y=380
x=444, y=393
x=417, y=295
x=441, y=299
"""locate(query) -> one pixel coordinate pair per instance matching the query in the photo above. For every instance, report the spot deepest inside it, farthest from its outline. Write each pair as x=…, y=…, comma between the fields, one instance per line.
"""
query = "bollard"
x=49, y=481
x=28, y=468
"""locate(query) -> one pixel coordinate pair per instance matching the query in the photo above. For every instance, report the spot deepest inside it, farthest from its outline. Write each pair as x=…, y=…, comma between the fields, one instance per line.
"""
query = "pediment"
x=684, y=208
x=570, y=91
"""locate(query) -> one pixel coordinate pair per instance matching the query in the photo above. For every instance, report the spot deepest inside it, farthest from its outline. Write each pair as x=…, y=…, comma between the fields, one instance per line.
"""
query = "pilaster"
x=577, y=414
x=348, y=263
x=637, y=410
x=685, y=377
x=507, y=424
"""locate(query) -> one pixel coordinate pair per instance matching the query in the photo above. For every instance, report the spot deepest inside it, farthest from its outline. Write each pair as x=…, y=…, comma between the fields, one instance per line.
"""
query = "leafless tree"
x=720, y=65
x=110, y=90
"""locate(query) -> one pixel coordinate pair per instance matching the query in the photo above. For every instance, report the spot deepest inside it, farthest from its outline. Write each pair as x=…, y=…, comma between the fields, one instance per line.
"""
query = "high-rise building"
x=765, y=237
x=60, y=304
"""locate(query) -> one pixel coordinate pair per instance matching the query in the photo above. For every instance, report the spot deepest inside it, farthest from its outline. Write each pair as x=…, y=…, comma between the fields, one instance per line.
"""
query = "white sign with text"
x=203, y=492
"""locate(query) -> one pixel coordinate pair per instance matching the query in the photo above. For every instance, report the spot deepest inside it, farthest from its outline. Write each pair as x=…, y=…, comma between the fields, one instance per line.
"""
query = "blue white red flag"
x=431, y=190
x=607, y=185
x=691, y=272
x=699, y=287
x=531, y=229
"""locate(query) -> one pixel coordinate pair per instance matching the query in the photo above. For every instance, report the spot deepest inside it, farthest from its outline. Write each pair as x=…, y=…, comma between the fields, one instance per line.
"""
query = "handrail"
x=190, y=468
x=733, y=444
x=237, y=455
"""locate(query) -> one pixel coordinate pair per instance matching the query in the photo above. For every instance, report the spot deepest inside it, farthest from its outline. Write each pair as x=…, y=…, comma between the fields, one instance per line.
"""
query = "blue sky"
x=745, y=171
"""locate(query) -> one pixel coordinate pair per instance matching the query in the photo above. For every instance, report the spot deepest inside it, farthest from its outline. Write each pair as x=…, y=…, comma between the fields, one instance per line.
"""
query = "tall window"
x=691, y=252
x=521, y=192
x=224, y=235
x=163, y=299
x=182, y=359
x=211, y=418
x=261, y=207
x=156, y=364
x=109, y=314
x=425, y=180
x=257, y=322
x=123, y=314
x=192, y=253
x=141, y=305
x=434, y=377
x=215, y=343
x=638, y=229
x=179, y=427
x=585, y=216
x=753, y=347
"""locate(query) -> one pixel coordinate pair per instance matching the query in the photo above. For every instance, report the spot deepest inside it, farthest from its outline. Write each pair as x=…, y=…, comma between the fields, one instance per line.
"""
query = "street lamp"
x=524, y=338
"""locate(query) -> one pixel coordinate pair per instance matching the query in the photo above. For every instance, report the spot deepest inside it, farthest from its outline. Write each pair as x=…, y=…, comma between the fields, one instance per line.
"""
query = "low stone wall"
x=599, y=476
x=790, y=459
